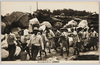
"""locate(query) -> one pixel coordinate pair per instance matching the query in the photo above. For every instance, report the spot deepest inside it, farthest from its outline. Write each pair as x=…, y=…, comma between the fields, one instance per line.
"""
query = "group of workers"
x=38, y=40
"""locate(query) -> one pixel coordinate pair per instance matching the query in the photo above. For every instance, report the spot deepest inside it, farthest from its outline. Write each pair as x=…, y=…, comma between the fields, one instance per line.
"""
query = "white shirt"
x=24, y=39
x=26, y=32
x=94, y=34
x=51, y=34
x=65, y=34
x=36, y=40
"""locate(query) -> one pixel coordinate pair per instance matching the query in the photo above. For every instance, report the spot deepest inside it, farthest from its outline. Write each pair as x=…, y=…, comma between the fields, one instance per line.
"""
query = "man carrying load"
x=94, y=38
x=50, y=35
x=63, y=40
x=32, y=22
x=36, y=42
x=76, y=42
x=44, y=38
x=25, y=43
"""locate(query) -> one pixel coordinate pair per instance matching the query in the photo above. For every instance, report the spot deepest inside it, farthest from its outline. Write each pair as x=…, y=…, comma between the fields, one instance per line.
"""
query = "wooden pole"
x=30, y=9
x=37, y=5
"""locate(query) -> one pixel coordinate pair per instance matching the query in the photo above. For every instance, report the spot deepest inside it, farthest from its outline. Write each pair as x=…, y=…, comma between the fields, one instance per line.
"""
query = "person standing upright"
x=94, y=38
x=24, y=42
x=50, y=35
x=63, y=40
x=36, y=42
x=11, y=46
x=76, y=42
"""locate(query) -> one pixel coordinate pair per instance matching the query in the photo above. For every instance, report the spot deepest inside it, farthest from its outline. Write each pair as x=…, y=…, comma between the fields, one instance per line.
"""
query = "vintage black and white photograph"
x=49, y=31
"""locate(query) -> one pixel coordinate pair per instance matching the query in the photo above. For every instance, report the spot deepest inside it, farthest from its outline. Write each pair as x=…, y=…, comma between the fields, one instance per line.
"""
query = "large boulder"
x=18, y=19
x=24, y=21
x=4, y=53
x=4, y=44
x=3, y=26
x=13, y=17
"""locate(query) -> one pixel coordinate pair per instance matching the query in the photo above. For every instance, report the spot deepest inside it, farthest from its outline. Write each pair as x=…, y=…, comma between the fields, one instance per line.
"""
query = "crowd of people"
x=37, y=38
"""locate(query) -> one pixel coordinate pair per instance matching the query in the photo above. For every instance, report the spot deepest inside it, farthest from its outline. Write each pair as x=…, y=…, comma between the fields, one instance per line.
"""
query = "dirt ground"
x=55, y=56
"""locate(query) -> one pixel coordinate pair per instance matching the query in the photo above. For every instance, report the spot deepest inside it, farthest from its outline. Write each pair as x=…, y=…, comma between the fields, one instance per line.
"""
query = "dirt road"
x=54, y=56
x=88, y=55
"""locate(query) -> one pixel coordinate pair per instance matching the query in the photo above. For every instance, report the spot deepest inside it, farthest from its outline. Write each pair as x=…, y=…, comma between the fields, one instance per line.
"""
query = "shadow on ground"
x=87, y=57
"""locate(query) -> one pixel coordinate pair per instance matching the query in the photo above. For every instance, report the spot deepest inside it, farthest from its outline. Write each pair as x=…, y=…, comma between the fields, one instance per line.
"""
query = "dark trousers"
x=56, y=44
x=25, y=47
x=76, y=48
x=66, y=45
x=34, y=51
x=93, y=43
x=11, y=49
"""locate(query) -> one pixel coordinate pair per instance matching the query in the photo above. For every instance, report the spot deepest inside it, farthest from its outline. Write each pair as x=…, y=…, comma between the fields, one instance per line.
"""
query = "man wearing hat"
x=94, y=38
x=57, y=34
x=36, y=42
x=44, y=38
x=76, y=42
x=50, y=36
x=11, y=38
x=64, y=41
x=85, y=37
